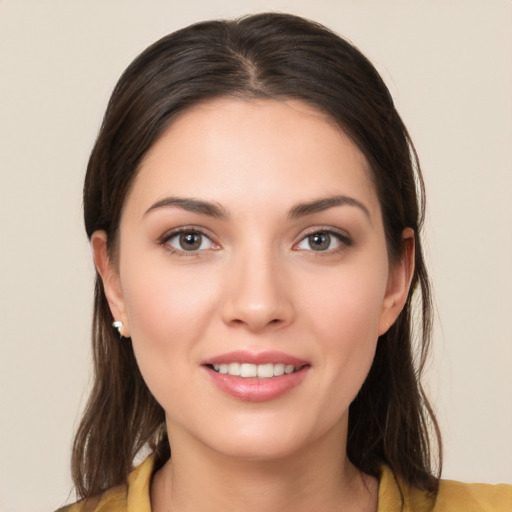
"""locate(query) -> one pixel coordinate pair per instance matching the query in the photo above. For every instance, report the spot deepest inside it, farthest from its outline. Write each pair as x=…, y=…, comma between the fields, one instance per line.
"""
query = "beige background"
x=449, y=67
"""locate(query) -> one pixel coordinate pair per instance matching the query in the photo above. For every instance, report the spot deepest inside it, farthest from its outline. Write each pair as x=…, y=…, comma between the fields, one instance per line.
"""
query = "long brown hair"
x=259, y=56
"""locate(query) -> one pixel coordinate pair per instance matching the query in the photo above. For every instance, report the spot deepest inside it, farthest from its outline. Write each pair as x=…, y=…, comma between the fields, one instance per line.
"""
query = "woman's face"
x=253, y=276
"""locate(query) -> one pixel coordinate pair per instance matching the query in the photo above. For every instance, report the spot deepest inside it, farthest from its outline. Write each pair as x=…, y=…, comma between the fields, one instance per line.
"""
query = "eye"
x=189, y=240
x=323, y=241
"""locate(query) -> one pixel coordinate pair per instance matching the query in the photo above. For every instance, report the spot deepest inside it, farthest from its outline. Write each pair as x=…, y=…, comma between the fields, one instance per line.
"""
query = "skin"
x=255, y=284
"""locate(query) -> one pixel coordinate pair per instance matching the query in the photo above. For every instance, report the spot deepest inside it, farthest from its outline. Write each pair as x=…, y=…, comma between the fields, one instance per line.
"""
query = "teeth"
x=278, y=369
x=262, y=371
x=265, y=371
x=234, y=369
x=248, y=370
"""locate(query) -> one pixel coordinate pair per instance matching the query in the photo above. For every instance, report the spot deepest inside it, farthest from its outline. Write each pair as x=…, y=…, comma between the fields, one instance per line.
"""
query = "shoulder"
x=113, y=500
x=452, y=497
x=132, y=496
x=473, y=497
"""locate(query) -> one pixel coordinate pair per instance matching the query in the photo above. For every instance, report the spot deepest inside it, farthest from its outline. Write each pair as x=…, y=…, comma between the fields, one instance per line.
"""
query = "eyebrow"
x=192, y=205
x=320, y=205
x=217, y=211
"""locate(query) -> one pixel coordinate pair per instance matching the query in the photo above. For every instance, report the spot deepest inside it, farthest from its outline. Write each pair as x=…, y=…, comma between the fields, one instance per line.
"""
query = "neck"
x=316, y=478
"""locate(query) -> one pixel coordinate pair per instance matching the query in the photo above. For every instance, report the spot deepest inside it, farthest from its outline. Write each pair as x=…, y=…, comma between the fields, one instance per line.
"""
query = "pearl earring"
x=118, y=326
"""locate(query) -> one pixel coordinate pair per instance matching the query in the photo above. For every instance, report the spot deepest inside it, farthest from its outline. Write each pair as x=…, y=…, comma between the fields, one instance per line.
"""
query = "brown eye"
x=190, y=241
x=319, y=241
x=324, y=241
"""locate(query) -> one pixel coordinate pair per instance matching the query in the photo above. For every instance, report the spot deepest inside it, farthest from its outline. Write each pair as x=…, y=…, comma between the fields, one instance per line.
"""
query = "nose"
x=259, y=295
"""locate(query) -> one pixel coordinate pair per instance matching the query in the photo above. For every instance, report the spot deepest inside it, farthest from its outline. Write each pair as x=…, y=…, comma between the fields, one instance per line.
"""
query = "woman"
x=252, y=204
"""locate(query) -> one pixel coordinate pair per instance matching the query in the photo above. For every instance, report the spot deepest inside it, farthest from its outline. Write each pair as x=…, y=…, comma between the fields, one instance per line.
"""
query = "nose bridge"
x=257, y=296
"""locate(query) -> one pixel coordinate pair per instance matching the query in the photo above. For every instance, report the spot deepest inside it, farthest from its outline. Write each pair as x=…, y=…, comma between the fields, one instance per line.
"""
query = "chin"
x=258, y=449
x=263, y=440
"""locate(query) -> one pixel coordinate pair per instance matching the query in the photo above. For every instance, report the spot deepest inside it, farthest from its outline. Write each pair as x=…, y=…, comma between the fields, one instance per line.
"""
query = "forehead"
x=232, y=150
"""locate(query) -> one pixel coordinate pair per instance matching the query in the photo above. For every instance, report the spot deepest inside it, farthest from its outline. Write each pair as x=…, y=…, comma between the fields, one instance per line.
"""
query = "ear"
x=399, y=282
x=109, y=274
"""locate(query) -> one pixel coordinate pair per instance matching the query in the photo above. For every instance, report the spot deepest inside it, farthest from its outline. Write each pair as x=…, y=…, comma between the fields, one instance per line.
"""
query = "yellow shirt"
x=452, y=497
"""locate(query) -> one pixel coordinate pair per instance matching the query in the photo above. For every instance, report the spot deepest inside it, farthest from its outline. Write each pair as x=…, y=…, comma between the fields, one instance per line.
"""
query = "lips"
x=256, y=377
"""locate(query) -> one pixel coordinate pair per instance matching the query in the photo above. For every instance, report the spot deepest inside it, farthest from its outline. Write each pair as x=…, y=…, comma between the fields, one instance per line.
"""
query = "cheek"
x=347, y=304
x=167, y=313
x=163, y=298
x=345, y=318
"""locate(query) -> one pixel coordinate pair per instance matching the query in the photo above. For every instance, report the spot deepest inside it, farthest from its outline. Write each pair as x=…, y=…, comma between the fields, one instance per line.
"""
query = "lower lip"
x=257, y=390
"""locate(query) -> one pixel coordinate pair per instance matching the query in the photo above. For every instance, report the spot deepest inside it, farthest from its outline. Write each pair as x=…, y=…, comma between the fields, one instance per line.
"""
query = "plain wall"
x=449, y=67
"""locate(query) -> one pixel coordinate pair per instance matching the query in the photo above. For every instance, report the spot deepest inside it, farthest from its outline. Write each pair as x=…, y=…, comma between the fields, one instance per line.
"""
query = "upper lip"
x=266, y=357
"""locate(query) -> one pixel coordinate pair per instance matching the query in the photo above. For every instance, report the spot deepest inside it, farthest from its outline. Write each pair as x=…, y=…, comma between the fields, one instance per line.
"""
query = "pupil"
x=319, y=241
x=190, y=241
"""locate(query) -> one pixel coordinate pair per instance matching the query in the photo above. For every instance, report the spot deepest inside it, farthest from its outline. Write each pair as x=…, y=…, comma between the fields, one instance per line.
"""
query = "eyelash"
x=344, y=241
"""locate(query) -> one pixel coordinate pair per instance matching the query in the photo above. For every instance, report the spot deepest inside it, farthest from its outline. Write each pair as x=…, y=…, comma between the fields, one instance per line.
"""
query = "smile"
x=256, y=377
x=260, y=371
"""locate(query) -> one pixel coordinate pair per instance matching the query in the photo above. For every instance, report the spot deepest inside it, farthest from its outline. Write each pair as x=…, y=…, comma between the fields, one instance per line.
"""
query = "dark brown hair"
x=262, y=56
